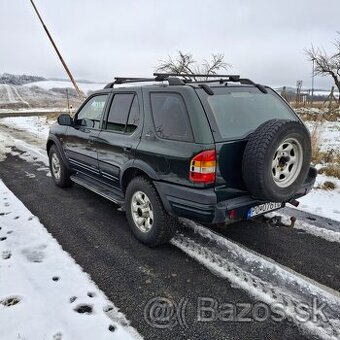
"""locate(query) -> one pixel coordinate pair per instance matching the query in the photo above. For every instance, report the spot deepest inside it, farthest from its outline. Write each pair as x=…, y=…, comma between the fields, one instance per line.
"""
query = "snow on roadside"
x=43, y=292
x=37, y=125
x=327, y=234
x=31, y=153
x=322, y=202
x=261, y=277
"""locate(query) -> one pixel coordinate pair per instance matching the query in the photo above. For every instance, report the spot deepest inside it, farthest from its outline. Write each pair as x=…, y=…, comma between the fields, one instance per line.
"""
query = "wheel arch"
x=53, y=140
x=134, y=169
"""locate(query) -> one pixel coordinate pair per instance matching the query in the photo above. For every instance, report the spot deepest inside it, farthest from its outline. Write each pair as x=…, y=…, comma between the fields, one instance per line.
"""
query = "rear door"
x=234, y=112
x=168, y=144
x=120, y=135
x=80, y=141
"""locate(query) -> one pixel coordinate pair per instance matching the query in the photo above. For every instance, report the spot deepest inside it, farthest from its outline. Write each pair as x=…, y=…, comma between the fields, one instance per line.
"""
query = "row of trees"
x=325, y=64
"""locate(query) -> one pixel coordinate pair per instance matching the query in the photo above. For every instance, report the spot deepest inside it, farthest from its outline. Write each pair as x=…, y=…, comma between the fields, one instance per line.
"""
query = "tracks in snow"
x=12, y=95
x=264, y=279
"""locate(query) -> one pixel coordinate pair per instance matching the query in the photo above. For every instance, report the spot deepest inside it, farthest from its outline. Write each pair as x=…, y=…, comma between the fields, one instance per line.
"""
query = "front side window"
x=91, y=113
x=171, y=117
x=124, y=113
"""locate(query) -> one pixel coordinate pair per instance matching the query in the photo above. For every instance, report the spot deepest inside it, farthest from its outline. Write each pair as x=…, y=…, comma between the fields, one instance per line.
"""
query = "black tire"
x=163, y=226
x=64, y=179
x=261, y=150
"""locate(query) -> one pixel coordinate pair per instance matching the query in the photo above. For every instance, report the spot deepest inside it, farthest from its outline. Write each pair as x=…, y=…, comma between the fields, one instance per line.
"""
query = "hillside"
x=12, y=79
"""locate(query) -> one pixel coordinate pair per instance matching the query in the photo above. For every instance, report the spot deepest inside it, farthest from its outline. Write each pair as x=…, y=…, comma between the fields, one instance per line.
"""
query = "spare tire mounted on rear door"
x=276, y=160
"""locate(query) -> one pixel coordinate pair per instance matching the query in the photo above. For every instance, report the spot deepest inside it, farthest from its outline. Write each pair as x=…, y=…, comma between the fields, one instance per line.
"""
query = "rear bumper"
x=201, y=204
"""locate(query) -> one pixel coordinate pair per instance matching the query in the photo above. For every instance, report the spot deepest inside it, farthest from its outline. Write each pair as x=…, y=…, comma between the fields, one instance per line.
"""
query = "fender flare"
x=140, y=165
x=54, y=140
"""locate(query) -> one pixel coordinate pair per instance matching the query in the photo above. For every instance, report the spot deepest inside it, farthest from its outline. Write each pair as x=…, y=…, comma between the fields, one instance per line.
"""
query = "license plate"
x=263, y=208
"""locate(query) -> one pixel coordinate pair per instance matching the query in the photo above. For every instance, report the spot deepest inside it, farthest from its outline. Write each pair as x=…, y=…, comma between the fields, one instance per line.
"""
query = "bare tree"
x=326, y=64
x=185, y=64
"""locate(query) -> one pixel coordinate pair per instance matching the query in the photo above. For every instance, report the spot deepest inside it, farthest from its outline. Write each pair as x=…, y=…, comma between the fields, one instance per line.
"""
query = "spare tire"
x=276, y=160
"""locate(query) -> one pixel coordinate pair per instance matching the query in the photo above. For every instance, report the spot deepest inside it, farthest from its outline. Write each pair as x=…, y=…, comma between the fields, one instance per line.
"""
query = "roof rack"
x=172, y=79
x=219, y=78
x=231, y=76
x=127, y=80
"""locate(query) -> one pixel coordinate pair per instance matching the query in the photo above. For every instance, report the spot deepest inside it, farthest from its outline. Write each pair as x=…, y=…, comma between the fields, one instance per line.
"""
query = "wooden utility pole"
x=80, y=93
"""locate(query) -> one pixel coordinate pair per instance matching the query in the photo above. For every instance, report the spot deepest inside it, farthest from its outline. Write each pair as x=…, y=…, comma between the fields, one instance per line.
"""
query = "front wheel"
x=59, y=171
x=149, y=221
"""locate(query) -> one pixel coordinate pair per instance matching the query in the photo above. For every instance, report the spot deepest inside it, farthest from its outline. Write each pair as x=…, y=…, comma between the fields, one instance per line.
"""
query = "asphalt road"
x=97, y=236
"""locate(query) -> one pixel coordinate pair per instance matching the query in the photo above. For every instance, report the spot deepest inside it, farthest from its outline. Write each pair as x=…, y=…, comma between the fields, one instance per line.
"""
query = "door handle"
x=127, y=147
x=90, y=141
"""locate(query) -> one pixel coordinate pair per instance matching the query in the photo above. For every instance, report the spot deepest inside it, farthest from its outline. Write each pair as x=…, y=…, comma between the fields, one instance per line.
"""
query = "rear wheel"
x=59, y=171
x=149, y=221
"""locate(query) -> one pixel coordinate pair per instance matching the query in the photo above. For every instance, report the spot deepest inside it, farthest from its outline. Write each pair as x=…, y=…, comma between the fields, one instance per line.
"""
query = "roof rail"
x=235, y=76
x=127, y=80
x=173, y=79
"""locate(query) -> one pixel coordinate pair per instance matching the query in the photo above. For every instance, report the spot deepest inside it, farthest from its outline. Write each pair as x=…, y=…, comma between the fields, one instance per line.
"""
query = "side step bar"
x=112, y=194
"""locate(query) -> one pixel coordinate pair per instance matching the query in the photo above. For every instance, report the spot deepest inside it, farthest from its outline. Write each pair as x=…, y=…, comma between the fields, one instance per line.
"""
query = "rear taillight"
x=203, y=167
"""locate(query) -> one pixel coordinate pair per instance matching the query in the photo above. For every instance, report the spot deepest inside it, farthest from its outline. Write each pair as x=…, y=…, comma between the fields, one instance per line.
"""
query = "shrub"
x=328, y=185
x=331, y=170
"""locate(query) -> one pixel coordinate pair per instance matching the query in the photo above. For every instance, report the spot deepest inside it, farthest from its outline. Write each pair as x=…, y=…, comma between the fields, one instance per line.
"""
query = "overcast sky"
x=262, y=39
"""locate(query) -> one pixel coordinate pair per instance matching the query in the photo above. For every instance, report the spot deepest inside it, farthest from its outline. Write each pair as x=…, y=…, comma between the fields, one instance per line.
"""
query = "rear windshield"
x=238, y=111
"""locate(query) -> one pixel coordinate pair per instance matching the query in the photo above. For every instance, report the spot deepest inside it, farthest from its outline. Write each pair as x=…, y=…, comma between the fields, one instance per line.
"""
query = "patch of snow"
x=44, y=294
x=328, y=134
x=322, y=202
x=37, y=125
x=327, y=234
x=31, y=153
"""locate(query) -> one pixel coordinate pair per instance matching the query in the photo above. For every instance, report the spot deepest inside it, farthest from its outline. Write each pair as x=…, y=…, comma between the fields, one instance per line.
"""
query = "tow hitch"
x=294, y=202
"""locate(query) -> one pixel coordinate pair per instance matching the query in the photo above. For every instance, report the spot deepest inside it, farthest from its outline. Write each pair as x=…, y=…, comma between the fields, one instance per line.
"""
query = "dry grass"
x=325, y=157
x=317, y=155
x=330, y=159
x=328, y=185
x=331, y=170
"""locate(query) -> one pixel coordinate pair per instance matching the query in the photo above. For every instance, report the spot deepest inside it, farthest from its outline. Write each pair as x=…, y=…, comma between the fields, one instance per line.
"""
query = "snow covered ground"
x=44, y=294
x=50, y=84
x=322, y=202
x=38, y=125
x=328, y=134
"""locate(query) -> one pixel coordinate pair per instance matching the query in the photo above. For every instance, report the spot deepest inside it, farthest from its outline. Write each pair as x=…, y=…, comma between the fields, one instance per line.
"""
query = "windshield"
x=238, y=111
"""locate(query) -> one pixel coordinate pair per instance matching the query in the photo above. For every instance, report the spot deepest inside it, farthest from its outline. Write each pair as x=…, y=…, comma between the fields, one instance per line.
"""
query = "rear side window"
x=170, y=117
x=124, y=113
x=133, y=119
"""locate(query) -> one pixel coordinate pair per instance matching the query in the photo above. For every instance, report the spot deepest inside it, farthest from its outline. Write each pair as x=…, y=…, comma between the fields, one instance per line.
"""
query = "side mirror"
x=65, y=119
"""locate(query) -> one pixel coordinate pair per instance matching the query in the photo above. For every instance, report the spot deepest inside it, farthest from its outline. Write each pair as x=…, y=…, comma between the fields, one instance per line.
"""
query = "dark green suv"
x=216, y=150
